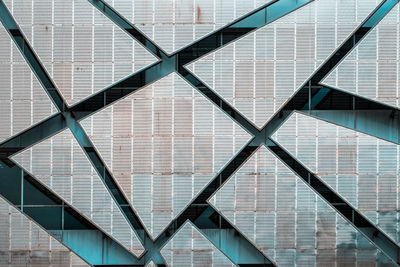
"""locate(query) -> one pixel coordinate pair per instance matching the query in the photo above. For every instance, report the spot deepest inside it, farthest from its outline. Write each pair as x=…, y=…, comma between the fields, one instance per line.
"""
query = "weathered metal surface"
x=211, y=223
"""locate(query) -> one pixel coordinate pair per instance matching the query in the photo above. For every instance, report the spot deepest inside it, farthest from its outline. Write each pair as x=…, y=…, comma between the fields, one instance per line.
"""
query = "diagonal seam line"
x=375, y=238
x=104, y=6
x=132, y=82
x=23, y=45
x=283, y=107
x=109, y=17
x=59, y=103
x=152, y=47
x=392, y=251
x=179, y=59
x=262, y=133
x=361, y=223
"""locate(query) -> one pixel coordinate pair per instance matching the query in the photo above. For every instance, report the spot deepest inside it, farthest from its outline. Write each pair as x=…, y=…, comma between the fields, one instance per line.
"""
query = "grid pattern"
x=81, y=49
x=265, y=68
x=362, y=164
x=236, y=116
x=71, y=176
x=372, y=68
x=182, y=139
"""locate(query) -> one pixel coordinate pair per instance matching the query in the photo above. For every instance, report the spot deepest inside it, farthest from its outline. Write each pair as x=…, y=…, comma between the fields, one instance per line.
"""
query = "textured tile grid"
x=300, y=206
x=176, y=24
x=23, y=243
x=71, y=176
x=372, y=68
x=258, y=73
x=361, y=168
x=287, y=220
x=81, y=49
x=168, y=141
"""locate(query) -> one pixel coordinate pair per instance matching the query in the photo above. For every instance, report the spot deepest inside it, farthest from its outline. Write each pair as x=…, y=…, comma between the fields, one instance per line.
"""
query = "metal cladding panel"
x=259, y=72
x=23, y=102
x=188, y=247
x=372, y=68
x=167, y=143
x=176, y=24
x=23, y=243
x=81, y=49
x=70, y=175
x=286, y=219
x=364, y=170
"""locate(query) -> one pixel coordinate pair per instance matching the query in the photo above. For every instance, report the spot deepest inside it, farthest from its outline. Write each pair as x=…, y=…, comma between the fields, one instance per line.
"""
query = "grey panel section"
x=61, y=165
x=287, y=220
x=364, y=170
x=188, y=247
x=23, y=101
x=259, y=72
x=81, y=49
x=168, y=141
x=23, y=243
x=372, y=68
x=175, y=24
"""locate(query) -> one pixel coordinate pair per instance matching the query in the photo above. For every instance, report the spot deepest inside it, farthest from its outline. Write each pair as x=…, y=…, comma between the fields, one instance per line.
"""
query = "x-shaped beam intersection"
x=308, y=97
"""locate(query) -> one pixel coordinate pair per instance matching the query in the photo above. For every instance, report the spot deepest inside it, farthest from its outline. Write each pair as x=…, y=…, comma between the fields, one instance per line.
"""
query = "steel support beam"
x=167, y=65
x=60, y=219
x=175, y=62
x=359, y=221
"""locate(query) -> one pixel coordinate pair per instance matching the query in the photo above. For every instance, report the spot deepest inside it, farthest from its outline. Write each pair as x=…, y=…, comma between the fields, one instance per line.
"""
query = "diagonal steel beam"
x=300, y=99
x=274, y=9
x=198, y=205
x=65, y=119
x=313, y=85
x=172, y=63
x=318, y=95
x=214, y=102
x=129, y=85
x=60, y=219
x=358, y=220
x=132, y=83
x=228, y=239
x=355, y=112
x=303, y=98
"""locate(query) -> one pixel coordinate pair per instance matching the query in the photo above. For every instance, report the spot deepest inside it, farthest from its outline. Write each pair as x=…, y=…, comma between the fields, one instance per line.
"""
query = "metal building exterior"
x=199, y=133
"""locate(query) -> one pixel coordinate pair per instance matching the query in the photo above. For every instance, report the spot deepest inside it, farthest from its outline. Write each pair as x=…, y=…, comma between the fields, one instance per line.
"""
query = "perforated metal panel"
x=168, y=141
x=176, y=24
x=70, y=175
x=82, y=50
x=362, y=169
x=372, y=68
x=23, y=101
x=23, y=243
x=259, y=72
x=188, y=247
x=286, y=219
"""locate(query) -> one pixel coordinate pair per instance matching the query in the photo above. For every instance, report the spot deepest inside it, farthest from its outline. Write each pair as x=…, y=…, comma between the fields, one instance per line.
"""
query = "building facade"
x=199, y=133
